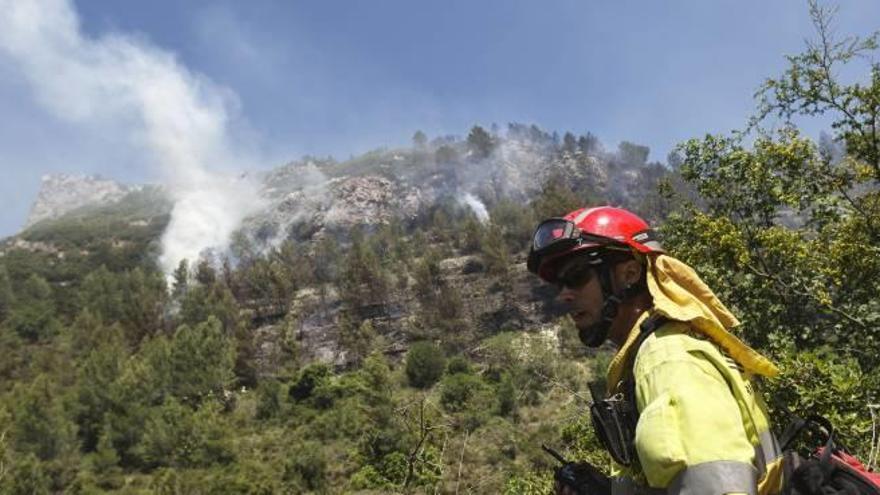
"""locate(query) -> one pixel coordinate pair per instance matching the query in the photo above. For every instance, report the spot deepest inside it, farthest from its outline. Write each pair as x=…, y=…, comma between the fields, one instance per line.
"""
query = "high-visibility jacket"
x=702, y=429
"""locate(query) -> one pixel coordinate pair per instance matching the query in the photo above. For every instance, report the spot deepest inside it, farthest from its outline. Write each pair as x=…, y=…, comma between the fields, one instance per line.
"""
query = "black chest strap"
x=615, y=418
x=651, y=324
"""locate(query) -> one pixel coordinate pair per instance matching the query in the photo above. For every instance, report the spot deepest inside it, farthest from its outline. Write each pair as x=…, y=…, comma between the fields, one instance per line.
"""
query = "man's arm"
x=690, y=436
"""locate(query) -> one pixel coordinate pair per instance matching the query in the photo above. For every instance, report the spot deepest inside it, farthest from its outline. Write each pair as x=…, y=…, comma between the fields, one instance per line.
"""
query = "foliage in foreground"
x=787, y=231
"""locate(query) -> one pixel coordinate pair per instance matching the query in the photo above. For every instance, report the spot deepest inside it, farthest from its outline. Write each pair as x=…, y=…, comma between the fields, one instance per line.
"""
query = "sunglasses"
x=575, y=275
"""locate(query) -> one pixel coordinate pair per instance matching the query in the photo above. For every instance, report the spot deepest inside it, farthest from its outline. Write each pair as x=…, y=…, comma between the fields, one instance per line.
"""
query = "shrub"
x=458, y=364
x=306, y=468
x=175, y=436
x=268, y=399
x=459, y=390
x=424, y=364
x=310, y=378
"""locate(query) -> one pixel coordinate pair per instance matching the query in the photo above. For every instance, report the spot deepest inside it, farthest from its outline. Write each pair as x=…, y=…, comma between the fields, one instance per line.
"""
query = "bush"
x=459, y=390
x=26, y=475
x=507, y=405
x=458, y=364
x=306, y=468
x=310, y=378
x=268, y=399
x=424, y=364
x=821, y=382
x=175, y=436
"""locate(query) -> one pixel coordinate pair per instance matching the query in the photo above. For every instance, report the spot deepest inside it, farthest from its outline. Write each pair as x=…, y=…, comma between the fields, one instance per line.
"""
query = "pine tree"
x=181, y=278
x=420, y=140
x=6, y=296
x=101, y=293
x=143, y=298
x=480, y=143
x=94, y=390
x=39, y=425
x=34, y=315
x=424, y=364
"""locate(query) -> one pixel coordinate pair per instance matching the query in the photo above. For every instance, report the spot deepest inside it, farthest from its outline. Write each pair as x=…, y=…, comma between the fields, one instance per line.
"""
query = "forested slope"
x=415, y=354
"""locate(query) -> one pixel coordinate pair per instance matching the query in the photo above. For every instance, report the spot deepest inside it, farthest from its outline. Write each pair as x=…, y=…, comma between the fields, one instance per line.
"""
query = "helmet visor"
x=557, y=236
x=552, y=231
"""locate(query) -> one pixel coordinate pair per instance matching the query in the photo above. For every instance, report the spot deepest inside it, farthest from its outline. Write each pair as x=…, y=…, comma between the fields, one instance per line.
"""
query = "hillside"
x=372, y=328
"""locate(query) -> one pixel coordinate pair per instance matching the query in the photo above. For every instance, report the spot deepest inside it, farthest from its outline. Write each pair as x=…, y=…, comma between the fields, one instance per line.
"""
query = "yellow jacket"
x=702, y=429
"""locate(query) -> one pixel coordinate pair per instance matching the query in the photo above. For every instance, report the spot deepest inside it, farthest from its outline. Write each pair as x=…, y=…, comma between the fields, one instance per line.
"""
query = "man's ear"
x=629, y=272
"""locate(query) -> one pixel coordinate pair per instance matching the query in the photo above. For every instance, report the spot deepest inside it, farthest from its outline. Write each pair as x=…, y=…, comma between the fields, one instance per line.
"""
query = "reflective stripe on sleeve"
x=766, y=451
x=770, y=446
x=626, y=486
x=716, y=478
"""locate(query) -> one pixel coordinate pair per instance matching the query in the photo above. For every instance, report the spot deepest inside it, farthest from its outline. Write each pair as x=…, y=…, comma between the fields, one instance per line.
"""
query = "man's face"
x=580, y=290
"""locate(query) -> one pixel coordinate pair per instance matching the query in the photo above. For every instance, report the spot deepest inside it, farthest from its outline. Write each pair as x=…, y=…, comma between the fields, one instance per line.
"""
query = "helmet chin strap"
x=595, y=334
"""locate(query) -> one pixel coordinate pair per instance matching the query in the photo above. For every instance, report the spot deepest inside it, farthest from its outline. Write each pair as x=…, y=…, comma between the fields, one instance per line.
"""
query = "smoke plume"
x=476, y=206
x=143, y=95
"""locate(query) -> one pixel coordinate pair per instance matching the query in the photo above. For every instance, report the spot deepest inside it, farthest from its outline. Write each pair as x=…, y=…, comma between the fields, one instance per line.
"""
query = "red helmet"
x=603, y=227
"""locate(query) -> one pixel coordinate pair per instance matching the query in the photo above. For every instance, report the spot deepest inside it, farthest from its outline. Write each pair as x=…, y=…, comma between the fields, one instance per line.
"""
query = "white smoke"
x=475, y=205
x=142, y=94
x=311, y=196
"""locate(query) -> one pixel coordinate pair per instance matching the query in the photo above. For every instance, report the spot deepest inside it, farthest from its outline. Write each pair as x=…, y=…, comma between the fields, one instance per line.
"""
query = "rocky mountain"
x=63, y=193
x=310, y=197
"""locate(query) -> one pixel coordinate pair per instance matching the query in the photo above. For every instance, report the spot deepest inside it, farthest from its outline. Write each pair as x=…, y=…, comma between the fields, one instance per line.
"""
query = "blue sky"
x=339, y=78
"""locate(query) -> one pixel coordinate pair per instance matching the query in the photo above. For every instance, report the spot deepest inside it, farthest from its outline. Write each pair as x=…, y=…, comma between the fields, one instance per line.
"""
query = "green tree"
x=480, y=143
x=588, y=143
x=420, y=140
x=176, y=436
x=7, y=299
x=205, y=273
x=195, y=364
x=632, y=154
x=507, y=402
x=569, y=342
x=26, y=474
x=424, y=364
x=446, y=154
x=310, y=378
x=363, y=281
x=39, y=425
x=268, y=399
x=202, y=302
x=144, y=295
x=356, y=338
x=787, y=232
x=496, y=253
x=101, y=293
x=376, y=374
x=458, y=390
x=569, y=143
x=306, y=469
x=94, y=396
x=181, y=278
x=556, y=199
x=34, y=315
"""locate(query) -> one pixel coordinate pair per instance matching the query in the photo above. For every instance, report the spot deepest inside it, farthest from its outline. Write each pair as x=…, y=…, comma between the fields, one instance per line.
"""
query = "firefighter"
x=680, y=414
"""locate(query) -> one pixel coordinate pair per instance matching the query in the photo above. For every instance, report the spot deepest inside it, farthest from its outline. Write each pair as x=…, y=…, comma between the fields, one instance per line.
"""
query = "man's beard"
x=595, y=334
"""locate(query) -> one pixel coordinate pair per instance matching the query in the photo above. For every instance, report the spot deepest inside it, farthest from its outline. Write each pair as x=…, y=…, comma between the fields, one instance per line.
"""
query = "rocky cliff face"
x=307, y=198
x=311, y=197
x=62, y=193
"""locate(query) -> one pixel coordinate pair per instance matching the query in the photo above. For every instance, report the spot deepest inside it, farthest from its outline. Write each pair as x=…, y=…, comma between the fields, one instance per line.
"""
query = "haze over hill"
x=313, y=197
x=288, y=87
